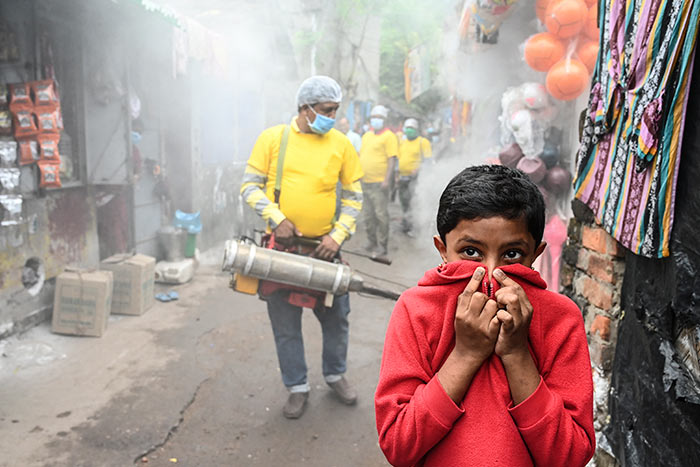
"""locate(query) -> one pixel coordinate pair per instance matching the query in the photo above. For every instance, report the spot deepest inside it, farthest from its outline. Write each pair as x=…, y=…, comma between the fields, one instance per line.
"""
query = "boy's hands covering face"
x=476, y=324
x=514, y=315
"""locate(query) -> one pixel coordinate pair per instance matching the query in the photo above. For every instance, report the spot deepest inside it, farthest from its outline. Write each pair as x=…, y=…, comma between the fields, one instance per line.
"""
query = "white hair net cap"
x=380, y=111
x=411, y=123
x=319, y=89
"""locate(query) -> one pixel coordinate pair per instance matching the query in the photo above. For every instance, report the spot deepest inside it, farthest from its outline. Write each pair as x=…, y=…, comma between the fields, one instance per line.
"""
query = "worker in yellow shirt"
x=413, y=150
x=378, y=158
x=290, y=181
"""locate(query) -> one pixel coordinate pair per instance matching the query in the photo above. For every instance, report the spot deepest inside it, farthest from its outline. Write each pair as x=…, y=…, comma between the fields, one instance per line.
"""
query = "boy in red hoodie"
x=482, y=365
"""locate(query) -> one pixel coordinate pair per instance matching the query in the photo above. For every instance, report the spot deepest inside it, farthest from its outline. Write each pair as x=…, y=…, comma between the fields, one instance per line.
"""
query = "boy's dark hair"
x=484, y=191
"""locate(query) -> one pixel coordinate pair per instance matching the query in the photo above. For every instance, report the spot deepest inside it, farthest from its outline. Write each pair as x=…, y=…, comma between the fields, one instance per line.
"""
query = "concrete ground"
x=195, y=382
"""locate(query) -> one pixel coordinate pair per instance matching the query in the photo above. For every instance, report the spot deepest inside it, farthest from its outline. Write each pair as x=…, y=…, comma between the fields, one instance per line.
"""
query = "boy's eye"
x=470, y=252
x=513, y=255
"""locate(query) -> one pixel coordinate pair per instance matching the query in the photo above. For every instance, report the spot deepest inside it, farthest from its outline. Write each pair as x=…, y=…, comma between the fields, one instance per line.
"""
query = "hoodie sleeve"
x=556, y=421
x=413, y=411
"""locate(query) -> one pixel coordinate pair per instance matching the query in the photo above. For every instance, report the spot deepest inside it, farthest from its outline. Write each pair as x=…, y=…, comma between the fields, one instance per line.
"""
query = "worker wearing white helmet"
x=309, y=157
x=378, y=158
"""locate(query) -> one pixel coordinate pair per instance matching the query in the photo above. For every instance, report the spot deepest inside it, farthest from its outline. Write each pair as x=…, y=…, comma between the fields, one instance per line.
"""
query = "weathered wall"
x=592, y=271
x=655, y=403
x=60, y=229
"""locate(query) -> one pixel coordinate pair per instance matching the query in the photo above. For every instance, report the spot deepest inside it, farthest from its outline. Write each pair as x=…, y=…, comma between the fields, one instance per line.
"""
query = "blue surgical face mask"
x=321, y=124
x=377, y=123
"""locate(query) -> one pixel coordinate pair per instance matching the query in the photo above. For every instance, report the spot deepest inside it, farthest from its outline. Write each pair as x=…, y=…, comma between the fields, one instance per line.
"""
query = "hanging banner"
x=416, y=72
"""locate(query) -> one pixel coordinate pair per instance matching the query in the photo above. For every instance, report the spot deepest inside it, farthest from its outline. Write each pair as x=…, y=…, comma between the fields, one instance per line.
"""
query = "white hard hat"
x=380, y=111
x=411, y=123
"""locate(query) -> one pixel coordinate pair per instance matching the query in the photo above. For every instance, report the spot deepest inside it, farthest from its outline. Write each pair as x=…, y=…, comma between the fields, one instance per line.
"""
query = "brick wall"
x=592, y=271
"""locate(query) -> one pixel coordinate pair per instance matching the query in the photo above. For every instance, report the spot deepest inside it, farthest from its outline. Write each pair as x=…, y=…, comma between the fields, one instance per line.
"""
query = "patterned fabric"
x=630, y=147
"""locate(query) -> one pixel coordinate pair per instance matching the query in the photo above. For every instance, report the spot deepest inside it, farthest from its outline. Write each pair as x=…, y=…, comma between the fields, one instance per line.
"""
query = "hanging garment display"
x=631, y=138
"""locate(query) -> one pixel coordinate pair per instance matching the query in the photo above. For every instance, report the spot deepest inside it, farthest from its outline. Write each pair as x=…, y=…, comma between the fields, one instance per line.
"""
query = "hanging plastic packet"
x=3, y=96
x=28, y=152
x=25, y=124
x=8, y=153
x=48, y=147
x=10, y=209
x=45, y=93
x=49, y=174
x=9, y=181
x=5, y=122
x=49, y=121
x=20, y=97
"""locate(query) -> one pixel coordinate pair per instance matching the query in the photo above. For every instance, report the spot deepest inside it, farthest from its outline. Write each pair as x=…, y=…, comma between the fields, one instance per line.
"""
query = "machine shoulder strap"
x=280, y=163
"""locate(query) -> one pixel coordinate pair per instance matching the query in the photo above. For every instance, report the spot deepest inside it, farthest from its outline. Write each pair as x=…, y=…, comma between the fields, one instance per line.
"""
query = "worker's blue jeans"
x=286, y=327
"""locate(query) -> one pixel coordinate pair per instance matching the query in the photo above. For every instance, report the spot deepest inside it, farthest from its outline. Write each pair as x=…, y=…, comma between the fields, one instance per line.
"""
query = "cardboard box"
x=82, y=302
x=133, y=283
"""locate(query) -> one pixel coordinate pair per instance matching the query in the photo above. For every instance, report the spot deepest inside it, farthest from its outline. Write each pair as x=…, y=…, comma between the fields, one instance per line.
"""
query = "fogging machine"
x=247, y=260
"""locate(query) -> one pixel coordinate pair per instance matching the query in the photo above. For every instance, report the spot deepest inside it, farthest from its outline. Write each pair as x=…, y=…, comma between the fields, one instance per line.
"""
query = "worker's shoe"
x=296, y=403
x=370, y=248
x=381, y=254
x=344, y=391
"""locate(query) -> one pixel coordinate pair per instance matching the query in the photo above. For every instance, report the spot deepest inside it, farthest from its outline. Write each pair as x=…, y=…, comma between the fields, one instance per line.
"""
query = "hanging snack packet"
x=10, y=209
x=28, y=152
x=48, y=147
x=45, y=93
x=25, y=124
x=49, y=120
x=8, y=153
x=20, y=97
x=5, y=122
x=9, y=181
x=49, y=174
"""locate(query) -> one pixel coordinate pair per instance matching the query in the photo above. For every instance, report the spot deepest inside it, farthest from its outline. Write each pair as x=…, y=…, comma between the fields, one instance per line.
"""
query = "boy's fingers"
x=474, y=282
x=503, y=279
x=509, y=299
x=476, y=303
x=506, y=281
x=506, y=319
x=494, y=326
x=490, y=309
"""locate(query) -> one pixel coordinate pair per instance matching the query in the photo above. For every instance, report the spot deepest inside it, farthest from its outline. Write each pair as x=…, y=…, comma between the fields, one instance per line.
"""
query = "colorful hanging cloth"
x=627, y=165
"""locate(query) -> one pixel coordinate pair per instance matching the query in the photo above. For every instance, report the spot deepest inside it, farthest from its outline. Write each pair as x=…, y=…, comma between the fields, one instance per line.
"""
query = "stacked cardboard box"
x=82, y=302
x=133, y=282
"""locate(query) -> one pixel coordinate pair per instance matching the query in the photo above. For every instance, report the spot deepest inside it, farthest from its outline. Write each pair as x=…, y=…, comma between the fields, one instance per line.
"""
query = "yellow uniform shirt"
x=375, y=153
x=412, y=153
x=313, y=165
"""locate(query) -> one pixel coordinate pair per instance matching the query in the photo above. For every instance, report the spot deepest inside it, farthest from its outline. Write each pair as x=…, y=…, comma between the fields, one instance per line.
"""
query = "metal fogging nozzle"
x=301, y=271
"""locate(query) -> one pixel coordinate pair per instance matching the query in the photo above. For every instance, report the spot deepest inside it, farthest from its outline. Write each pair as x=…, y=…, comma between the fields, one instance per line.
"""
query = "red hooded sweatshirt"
x=419, y=424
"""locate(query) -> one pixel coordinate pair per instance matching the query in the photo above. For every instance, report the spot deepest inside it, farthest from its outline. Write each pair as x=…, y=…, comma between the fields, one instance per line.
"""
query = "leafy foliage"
x=408, y=24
